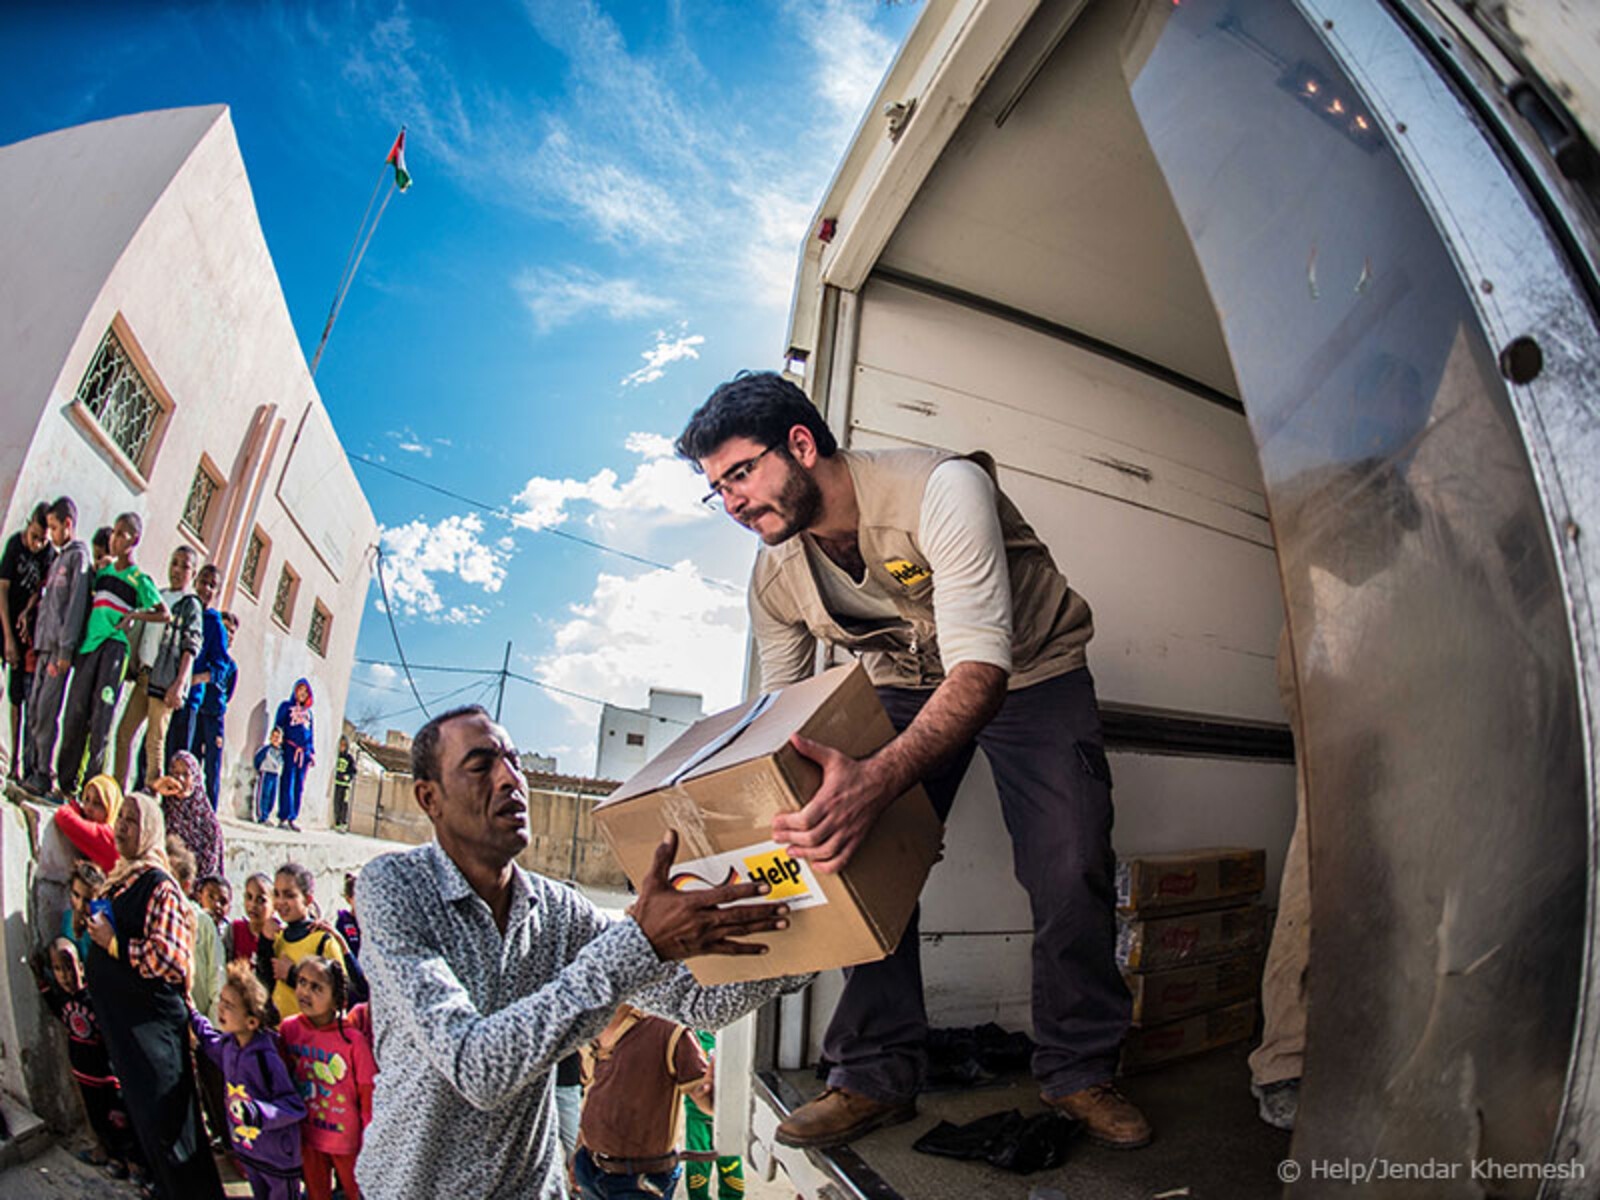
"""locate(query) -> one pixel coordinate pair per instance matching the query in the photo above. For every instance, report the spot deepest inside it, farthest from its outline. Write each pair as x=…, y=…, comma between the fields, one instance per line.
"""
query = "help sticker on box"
x=791, y=879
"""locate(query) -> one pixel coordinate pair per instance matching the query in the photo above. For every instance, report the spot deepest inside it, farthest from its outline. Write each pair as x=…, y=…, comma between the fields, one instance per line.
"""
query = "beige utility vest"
x=1050, y=623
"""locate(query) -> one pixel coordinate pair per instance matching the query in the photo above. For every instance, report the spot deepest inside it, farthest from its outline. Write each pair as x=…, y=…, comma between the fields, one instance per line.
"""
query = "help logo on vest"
x=790, y=879
x=906, y=573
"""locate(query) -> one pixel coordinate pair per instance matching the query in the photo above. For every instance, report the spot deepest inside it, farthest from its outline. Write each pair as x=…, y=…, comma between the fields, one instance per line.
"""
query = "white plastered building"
x=148, y=364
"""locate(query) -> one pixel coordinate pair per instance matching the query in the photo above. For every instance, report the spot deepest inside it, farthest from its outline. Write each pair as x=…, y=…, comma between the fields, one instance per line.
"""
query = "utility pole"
x=500, y=695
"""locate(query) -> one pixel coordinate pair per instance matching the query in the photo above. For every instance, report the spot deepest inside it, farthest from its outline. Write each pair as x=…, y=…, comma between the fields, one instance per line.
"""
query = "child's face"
x=231, y=1014
x=60, y=531
x=215, y=899
x=276, y=737
x=313, y=992
x=80, y=895
x=288, y=901
x=180, y=571
x=64, y=966
x=94, y=807
x=255, y=901
x=123, y=540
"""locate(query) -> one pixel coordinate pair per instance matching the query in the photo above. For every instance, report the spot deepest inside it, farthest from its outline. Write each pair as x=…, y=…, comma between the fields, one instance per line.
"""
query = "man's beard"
x=797, y=504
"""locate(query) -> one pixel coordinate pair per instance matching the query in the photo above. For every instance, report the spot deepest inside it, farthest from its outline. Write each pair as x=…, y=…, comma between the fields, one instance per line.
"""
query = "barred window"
x=202, y=491
x=317, y=637
x=283, y=602
x=122, y=402
x=255, y=562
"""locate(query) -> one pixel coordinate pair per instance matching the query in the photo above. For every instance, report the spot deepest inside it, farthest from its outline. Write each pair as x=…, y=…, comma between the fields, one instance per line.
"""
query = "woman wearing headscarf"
x=86, y=822
x=138, y=974
x=188, y=812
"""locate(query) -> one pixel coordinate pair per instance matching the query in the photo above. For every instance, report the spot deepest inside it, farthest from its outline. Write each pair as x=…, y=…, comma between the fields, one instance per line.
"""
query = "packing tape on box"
x=724, y=739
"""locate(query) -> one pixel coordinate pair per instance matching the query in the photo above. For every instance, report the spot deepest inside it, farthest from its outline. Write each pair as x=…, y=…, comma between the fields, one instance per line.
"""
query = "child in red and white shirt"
x=331, y=1059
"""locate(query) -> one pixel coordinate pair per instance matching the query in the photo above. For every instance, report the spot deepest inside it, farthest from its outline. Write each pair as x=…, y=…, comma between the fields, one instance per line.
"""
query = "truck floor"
x=1208, y=1140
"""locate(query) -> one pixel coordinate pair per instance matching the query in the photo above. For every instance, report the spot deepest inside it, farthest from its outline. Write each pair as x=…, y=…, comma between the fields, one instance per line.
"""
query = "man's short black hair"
x=102, y=540
x=760, y=405
x=64, y=509
x=39, y=515
x=425, y=746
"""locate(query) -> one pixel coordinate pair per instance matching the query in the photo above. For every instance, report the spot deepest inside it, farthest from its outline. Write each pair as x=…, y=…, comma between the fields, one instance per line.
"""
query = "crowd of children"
x=278, y=1021
x=87, y=630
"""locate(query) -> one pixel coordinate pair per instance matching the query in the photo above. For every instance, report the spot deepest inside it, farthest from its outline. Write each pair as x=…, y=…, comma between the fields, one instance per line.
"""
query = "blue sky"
x=608, y=205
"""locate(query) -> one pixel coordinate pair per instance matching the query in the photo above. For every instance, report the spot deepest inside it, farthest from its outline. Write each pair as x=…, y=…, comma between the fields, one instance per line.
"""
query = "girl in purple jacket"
x=264, y=1105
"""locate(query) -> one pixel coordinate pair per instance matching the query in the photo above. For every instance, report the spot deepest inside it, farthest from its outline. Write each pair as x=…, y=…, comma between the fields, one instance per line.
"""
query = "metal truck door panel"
x=1443, y=728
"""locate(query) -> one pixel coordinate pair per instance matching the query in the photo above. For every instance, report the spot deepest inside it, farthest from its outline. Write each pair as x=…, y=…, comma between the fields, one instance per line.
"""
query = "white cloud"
x=851, y=55
x=664, y=628
x=619, y=204
x=662, y=487
x=416, y=553
x=667, y=350
x=557, y=297
x=382, y=674
x=408, y=441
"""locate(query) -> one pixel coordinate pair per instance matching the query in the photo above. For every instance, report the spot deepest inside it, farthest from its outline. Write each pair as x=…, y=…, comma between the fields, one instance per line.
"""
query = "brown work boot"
x=837, y=1117
x=1109, y=1118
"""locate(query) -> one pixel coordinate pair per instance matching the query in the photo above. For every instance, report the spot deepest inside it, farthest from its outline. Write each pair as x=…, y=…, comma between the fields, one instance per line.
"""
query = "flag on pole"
x=397, y=159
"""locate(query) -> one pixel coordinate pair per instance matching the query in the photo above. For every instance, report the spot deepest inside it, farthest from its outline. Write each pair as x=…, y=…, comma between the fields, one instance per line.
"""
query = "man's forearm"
x=963, y=704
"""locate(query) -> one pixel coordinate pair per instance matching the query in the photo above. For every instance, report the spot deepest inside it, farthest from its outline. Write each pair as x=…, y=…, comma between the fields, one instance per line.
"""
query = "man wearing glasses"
x=916, y=562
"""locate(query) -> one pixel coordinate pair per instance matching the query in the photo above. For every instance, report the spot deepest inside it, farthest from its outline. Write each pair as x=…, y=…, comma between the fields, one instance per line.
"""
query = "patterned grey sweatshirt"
x=468, y=1025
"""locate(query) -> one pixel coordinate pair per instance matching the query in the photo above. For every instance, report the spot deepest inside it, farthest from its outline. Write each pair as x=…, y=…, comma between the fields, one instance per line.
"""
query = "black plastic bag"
x=1007, y=1140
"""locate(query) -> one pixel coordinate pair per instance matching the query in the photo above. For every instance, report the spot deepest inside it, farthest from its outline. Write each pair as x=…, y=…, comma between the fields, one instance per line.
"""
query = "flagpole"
x=344, y=278
x=339, y=300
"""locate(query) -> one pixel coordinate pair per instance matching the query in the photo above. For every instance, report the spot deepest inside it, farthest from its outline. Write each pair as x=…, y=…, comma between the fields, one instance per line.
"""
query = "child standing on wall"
x=63, y=608
x=299, y=751
x=264, y=1107
x=333, y=1063
x=269, y=771
x=122, y=594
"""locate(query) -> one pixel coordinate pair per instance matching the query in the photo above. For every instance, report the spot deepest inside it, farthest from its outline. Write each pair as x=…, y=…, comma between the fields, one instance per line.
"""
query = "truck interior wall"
x=1151, y=501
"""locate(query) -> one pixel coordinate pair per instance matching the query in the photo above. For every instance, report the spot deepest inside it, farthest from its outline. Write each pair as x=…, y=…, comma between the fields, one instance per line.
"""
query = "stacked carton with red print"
x=1190, y=938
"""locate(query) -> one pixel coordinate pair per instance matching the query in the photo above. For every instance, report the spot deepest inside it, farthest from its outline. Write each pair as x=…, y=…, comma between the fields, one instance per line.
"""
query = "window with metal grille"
x=121, y=402
x=283, y=602
x=255, y=559
x=197, y=507
x=317, y=637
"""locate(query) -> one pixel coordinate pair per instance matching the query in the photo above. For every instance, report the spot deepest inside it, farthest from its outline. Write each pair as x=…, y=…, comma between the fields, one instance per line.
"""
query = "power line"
x=499, y=510
x=538, y=683
x=388, y=611
x=439, y=699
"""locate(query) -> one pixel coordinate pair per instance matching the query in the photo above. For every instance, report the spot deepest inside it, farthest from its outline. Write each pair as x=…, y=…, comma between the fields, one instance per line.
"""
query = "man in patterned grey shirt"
x=485, y=976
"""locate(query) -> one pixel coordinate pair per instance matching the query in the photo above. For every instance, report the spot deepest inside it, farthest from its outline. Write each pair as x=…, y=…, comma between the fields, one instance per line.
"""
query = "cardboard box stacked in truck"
x=721, y=783
x=1190, y=940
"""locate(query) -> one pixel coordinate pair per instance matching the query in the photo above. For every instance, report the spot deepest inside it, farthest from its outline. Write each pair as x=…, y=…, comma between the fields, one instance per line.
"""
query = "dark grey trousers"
x=1046, y=751
x=44, y=715
x=91, y=703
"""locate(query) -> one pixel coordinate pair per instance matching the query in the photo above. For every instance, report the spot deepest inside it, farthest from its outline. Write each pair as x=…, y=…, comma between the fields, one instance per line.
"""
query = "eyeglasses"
x=732, y=478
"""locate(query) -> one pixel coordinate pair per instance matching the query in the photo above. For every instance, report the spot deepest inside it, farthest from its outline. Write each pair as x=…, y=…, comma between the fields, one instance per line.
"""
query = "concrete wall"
x=382, y=806
x=193, y=282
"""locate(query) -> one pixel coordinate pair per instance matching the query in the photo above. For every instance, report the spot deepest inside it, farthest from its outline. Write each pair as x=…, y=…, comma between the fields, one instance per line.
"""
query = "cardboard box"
x=720, y=785
x=1158, y=1044
x=1160, y=996
x=1155, y=943
x=1189, y=880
